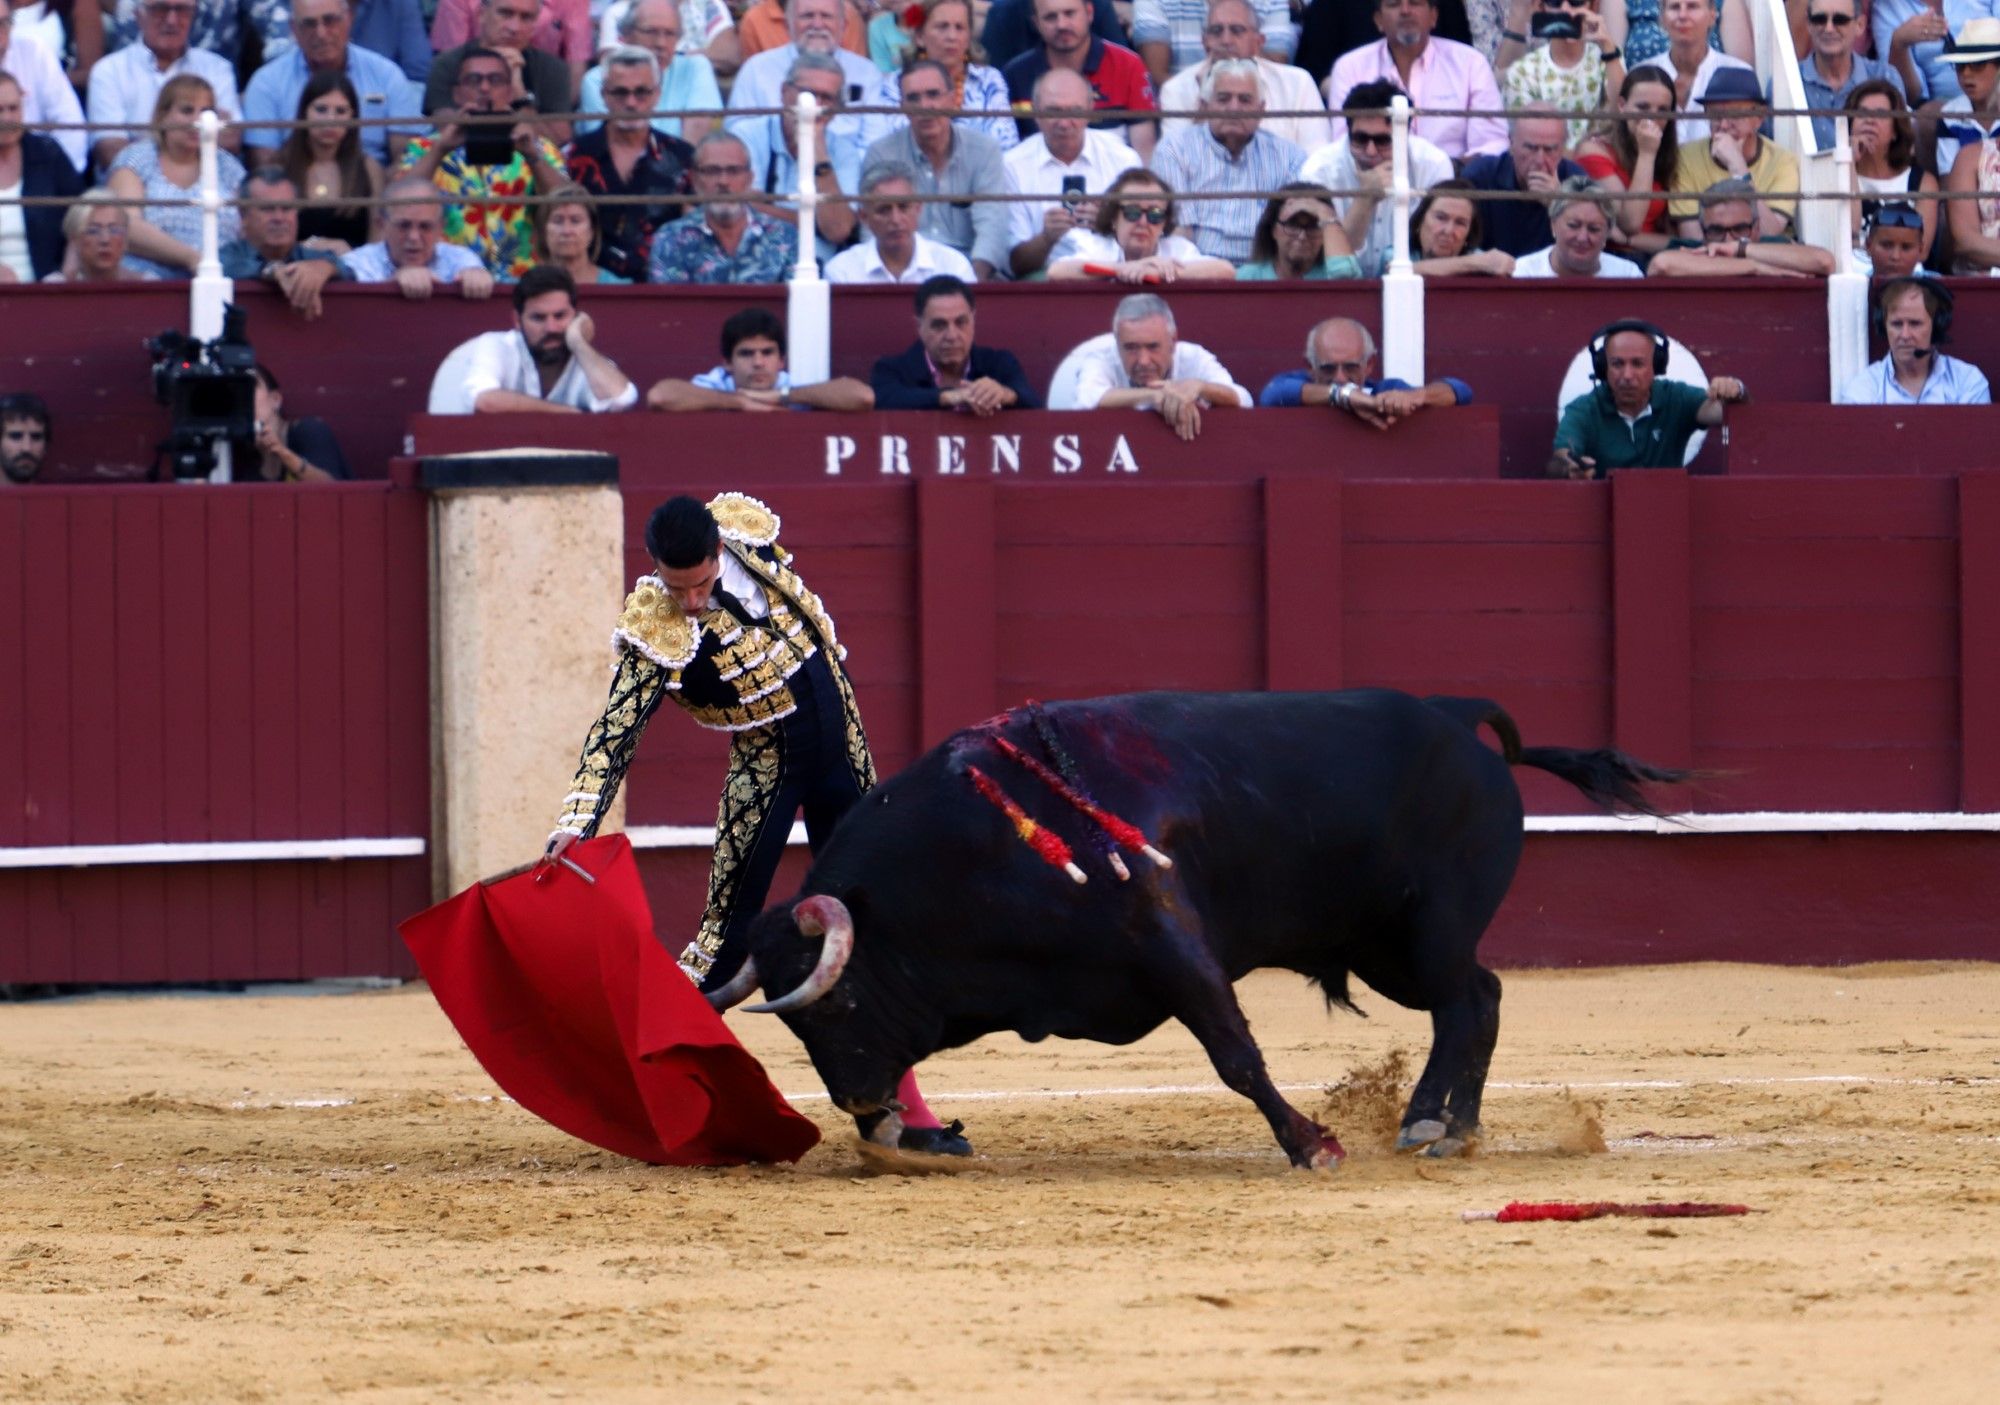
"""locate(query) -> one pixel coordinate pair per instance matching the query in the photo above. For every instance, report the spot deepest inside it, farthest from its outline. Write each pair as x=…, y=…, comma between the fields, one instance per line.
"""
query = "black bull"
x=1364, y=832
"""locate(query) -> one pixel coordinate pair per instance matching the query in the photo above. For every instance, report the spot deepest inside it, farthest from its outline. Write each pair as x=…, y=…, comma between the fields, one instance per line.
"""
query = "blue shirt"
x=394, y=29
x=688, y=85
x=1940, y=78
x=775, y=171
x=1288, y=388
x=1951, y=382
x=273, y=96
x=1820, y=93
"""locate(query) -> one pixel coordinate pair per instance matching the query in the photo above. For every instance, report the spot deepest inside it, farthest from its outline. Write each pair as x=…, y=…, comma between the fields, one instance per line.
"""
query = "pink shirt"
x=1447, y=74
x=564, y=29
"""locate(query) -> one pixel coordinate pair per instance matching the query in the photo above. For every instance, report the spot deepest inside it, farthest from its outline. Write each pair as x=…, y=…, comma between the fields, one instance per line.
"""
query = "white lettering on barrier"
x=951, y=455
x=839, y=449
x=1121, y=458
x=1007, y=449
x=895, y=454
x=1067, y=454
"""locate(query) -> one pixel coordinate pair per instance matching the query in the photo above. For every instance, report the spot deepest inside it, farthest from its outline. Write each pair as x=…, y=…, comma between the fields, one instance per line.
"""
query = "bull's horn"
x=816, y=916
x=738, y=989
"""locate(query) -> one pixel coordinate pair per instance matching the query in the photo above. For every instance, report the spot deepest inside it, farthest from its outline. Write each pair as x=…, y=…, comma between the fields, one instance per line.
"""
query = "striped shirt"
x=1194, y=160
x=1179, y=23
x=1951, y=382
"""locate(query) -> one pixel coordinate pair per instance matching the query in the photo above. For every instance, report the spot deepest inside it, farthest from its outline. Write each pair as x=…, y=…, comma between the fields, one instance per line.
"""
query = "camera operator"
x=487, y=167
x=289, y=451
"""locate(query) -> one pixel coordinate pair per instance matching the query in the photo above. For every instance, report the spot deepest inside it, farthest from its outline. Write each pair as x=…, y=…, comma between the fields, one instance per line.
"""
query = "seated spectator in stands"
x=707, y=30
x=503, y=29
x=1009, y=29
x=413, y=253
x=1299, y=237
x=1445, y=234
x=1914, y=317
x=1143, y=364
x=1340, y=374
x=773, y=144
x=567, y=237
x=1533, y=161
x=126, y=83
x=1360, y=160
x=945, y=36
x=1065, y=159
x=46, y=94
x=1833, y=69
x=752, y=376
x=1172, y=36
x=94, y=231
x=769, y=24
x=270, y=250
x=561, y=27
x=329, y=161
x=1638, y=150
x=32, y=167
x=1692, y=63
x=895, y=252
x=165, y=236
x=289, y=451
x=546, y=362
x=1133, y=240
x=724, y=241
x=946, y=369
x=628, y=155
x=1972, y=116
x=486, y=215
x=1975, y=150
x=1735, y=150
x=1575, y=71
x=395, y=30
x=680, y=81
x=815, y=27
x=951, y=161
x=1228, y=29
x=1438, y=74
x=1227, y=155
x=1732, y=246
x=1631, y=417
x=1580, y=219
x=1892, y=243
x=323, y=29
x=1885, y=165
x=24, y=436
x=1117, y=76
x=224, y=27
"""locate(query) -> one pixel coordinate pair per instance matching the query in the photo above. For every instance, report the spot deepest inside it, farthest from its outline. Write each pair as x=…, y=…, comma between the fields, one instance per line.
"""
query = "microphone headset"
x=1599, y=356
x=1937, y=301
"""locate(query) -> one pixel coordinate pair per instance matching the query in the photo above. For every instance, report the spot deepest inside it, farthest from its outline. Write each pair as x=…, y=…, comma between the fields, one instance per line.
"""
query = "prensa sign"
x=961, y=455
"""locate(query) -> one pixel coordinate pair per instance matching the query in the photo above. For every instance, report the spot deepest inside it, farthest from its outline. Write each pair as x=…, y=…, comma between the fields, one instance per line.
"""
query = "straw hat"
x=1978, y=42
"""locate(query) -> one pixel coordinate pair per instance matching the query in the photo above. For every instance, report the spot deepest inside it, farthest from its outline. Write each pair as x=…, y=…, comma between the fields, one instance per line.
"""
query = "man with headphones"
x=1633, y=417
x=1913, y=315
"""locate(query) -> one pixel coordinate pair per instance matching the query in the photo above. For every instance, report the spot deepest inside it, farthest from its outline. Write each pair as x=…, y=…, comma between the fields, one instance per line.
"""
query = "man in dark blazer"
x=945, y=370
x=43, y=170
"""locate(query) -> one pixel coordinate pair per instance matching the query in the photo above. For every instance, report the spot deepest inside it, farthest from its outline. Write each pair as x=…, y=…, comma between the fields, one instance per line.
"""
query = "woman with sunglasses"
x=1133, y=238
x=1299, y=237
x=1885, y=165
x=1637, y=150
x=1445, y=233
x=1573, y=72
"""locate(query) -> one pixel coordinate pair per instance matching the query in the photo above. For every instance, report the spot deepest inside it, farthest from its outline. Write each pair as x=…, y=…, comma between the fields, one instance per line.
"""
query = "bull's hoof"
x=1328, y=1155
x=936, y=1141
x=1423, y=1133
x=1458, y=1143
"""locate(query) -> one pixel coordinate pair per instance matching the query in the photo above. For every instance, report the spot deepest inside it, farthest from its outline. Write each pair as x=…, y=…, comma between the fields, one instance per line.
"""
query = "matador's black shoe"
x=936, y=1141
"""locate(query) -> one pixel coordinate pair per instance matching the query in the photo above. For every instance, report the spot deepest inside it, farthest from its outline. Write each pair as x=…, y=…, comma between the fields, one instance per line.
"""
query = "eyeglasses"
x=712, y=172
x=1717, y=233
x=1151, y=214
x=620, y=94
x=1897, y=217
x=312, y=23
x=1302, y=222
x=1565, y=4
x=485, y=80
x=1350, y=369
x=655, y=33
x=1234, y=31
x=1828, y=21
x=1356, y=137
x=103, y=231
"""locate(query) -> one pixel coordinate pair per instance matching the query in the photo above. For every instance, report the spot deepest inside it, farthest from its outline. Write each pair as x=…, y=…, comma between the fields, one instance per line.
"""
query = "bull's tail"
x=1609, y=778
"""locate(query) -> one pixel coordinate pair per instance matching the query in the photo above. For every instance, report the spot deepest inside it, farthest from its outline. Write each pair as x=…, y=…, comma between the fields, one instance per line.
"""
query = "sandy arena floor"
x=290, y=1198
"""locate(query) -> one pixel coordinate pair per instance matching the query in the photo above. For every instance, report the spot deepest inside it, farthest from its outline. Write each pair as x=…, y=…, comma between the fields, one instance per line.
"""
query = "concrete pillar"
x=527, y=578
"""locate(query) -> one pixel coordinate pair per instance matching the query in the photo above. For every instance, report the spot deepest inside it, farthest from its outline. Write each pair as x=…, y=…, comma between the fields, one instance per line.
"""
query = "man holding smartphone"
x=1067, y=159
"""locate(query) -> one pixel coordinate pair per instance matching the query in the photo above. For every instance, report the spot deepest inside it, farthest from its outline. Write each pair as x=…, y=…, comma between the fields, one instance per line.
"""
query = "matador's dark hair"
x=682, y=533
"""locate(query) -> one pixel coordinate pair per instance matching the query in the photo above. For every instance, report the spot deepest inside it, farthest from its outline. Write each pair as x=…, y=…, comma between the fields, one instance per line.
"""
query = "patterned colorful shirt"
x=628, y=229
x=1537, y=80
x=488, y=222
x=687, y=251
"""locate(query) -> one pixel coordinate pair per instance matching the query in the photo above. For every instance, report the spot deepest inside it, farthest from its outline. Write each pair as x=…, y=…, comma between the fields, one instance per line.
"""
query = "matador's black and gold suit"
x=775, y=683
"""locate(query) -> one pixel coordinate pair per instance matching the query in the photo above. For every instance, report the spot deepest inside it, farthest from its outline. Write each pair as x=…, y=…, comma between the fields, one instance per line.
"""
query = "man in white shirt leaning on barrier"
x=546, y=364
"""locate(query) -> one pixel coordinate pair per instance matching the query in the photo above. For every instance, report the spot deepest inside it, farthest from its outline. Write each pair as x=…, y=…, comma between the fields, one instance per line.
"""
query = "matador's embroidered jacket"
x=728, y=675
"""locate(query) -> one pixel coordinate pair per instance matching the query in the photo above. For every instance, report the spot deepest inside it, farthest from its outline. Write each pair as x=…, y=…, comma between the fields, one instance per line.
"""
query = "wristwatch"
x=1611, y=55
x=824, y=168
x=1344, y=396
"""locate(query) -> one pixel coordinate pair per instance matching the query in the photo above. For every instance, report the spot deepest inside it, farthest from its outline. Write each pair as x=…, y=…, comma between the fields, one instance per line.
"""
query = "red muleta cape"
x=567, y=998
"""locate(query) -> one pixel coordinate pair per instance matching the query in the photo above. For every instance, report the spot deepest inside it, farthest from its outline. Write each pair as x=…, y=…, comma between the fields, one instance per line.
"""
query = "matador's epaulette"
x=656, y=626
x=744, y=520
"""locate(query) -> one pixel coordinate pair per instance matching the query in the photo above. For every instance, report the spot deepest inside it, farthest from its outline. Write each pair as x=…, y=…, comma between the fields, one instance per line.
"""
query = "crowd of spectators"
x=449, y=146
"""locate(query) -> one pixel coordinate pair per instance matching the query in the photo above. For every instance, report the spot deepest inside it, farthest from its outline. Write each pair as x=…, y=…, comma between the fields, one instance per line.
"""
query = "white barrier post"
x=1402, y=289
x=1847, y=289
x=809, y=300
x=210, y=292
